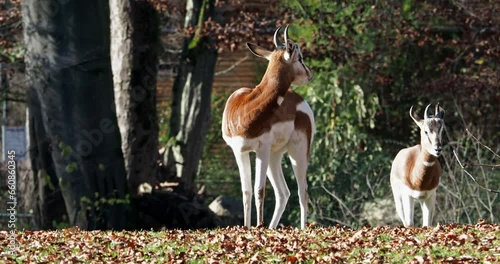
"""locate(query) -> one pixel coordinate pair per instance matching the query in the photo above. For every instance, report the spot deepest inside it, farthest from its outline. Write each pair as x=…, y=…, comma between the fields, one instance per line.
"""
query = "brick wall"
x=233, y=70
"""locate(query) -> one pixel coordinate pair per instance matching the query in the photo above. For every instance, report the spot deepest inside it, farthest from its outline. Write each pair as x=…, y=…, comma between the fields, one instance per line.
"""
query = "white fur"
x=428, y=164
x=280, y=100
x=405, y=197
x=277, y=138
x=305, y=108
x=269, y=149
x=286, y=56
x=302, y=78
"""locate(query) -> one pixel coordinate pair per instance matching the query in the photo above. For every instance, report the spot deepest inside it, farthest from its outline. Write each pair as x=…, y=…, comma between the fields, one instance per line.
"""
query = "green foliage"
x=64, y=223
x=164, y=112
x=346, y=160
x=71, y=167
x=46, y=180
x=12, y=54
x=65, y=149
x=96, y=206
x=199, y=26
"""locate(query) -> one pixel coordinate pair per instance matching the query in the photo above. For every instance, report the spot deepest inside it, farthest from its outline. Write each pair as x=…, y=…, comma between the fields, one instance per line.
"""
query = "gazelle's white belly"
x=403, y=189
x=277, y=138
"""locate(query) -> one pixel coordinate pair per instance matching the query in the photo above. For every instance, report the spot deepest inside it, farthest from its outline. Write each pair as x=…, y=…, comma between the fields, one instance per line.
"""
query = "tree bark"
x=134, y=53
x=72, y=108
x=191, y=97
x=48, y=207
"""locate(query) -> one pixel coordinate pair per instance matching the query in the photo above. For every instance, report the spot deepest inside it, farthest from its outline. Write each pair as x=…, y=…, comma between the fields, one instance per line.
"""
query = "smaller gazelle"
x=270, y=120
x=416, y=170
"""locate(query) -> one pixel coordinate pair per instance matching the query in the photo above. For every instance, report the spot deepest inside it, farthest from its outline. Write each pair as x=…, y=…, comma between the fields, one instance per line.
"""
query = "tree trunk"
x=48, y=207
x=134, y=53
x=72, y=105
x=191, y=97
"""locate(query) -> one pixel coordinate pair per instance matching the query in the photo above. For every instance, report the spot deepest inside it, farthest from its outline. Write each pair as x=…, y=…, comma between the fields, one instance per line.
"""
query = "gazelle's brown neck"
x=276, y=80
x=253, y=111
x=426, y=171
x=264, y=97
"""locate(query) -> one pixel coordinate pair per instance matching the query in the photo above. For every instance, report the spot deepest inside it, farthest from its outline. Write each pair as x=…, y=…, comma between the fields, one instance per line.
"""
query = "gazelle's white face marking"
x=286, y=56
x=302, y=73
x=431, y=134
x=431, y=129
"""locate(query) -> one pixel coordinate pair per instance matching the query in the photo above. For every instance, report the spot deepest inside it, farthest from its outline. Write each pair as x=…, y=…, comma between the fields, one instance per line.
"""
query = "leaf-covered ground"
x=453, y=243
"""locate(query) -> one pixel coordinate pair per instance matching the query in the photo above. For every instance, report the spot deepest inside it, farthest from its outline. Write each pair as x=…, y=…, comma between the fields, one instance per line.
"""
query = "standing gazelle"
x=271, y=120
x=416, y=170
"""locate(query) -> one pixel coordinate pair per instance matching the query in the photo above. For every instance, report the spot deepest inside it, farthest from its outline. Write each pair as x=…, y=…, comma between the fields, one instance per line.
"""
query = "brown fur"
x=260, y=105
x=422, y=178
x=303, y=123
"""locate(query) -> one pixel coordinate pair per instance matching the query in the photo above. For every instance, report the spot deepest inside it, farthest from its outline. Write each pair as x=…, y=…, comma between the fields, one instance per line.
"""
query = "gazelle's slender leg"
x=399, y=204
x=427, y=206
x=244, y=166
x=298, y=157
x=408, y=209
x=261, y=164
x=433, y=207
x=281, y=191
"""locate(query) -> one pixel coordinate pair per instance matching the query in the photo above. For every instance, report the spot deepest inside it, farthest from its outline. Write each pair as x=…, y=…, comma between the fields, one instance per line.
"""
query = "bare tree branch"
x=472, y=177
x=343, y=206
x=232, y=66
x=486, y=147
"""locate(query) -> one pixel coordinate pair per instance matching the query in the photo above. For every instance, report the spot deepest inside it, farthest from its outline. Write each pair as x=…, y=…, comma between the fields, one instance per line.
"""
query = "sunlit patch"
x=286, y=56
x=280, y=100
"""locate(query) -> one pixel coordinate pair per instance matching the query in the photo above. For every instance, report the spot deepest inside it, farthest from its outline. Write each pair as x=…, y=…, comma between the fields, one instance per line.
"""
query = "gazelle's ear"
x=439, y=112
x=415, y=118
x=290, y=51
x=259, y=51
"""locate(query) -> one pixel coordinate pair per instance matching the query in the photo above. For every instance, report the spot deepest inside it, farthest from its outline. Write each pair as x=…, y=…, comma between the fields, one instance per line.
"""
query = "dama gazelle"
x=270, y=120
x=416, y=170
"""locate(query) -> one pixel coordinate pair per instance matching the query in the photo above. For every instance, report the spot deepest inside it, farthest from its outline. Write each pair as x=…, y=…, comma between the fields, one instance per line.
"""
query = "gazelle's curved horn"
x=286, y=36
x=413, y=114
x=426, y=115
x=275, y=39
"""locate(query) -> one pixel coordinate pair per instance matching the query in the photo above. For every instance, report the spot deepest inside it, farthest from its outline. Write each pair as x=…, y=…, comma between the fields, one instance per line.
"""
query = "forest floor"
x=453, y=243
